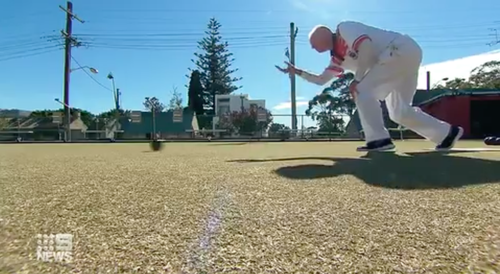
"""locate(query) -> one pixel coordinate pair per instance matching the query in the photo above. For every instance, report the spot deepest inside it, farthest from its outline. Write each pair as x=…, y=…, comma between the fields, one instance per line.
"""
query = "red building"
x=477, y=111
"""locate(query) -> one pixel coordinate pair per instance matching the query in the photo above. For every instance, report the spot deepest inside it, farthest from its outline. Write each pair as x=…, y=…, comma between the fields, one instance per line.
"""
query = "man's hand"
x=290, y=69
x=353, y=89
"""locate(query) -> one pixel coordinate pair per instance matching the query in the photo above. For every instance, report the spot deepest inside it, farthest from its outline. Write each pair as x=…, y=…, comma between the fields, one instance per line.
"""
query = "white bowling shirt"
x=350, y=53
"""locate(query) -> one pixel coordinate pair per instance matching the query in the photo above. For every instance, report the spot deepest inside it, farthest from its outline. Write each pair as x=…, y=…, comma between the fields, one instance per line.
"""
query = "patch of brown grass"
x=252, y=208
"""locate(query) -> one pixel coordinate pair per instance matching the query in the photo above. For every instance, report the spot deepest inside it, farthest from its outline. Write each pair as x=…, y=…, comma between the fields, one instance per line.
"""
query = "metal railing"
x=217, y=127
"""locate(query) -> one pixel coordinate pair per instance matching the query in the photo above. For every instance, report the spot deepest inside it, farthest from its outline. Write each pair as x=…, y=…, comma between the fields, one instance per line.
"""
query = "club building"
x=476, y=110
x=230, y=102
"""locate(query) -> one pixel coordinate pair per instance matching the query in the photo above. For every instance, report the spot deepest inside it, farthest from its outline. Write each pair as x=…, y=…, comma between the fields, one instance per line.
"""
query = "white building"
x=235, y=102
x=225, y=104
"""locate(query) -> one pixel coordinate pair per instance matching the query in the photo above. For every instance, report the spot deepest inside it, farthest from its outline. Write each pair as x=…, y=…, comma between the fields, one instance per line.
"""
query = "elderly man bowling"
x=386, y=65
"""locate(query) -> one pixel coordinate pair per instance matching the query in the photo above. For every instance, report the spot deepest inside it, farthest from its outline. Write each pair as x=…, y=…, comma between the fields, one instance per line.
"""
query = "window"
x=223, y=100
x=223, y=110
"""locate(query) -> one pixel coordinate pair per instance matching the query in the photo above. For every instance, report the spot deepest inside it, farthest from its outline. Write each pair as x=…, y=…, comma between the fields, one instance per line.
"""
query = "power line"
x=25, y=36
x=167, y=42
x=239, y=35
x=165, y=45
x=115, y=14
x=158, y=42
x=197, y=32
x=31, y=53
x=496, y=38
x=183, y=38
x=458, y=9
x=22, y=47
x=32, y=49
x=175, y=48
x=183, y=30
x=32, y=15
x=90, y=75
x=186, y=36
x=484, y=39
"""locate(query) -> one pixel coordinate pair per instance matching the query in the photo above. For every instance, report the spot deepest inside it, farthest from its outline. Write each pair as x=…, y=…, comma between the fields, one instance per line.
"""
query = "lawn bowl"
x=492, y=141
x=156, y=145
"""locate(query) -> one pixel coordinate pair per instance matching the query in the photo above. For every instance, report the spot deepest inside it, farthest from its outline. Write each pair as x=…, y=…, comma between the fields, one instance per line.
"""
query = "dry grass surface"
x=251, y=208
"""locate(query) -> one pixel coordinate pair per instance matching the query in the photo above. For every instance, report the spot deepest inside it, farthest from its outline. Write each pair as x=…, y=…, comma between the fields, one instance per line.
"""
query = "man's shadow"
x=418, y=170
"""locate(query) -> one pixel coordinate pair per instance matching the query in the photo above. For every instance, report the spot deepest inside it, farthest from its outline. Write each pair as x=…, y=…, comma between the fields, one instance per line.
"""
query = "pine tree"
x=195, y=93
x=214, y=64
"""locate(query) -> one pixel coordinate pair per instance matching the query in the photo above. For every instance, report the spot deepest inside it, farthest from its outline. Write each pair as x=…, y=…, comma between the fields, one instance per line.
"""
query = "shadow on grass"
x=417, y=170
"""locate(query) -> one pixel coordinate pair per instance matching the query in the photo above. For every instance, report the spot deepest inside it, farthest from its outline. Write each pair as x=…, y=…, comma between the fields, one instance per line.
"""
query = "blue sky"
x=257, y=32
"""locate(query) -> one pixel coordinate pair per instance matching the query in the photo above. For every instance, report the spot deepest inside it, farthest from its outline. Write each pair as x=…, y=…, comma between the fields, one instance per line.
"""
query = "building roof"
x=12, y=113
x=423, y=97
x=30, y=123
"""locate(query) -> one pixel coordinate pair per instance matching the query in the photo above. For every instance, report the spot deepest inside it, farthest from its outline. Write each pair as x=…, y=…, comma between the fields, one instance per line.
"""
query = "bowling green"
x=251, y=208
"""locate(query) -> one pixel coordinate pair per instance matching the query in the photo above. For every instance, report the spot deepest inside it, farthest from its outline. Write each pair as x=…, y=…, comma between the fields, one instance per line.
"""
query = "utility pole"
x=497, y=38
x=153, y=116
x=69, y=42
x=293, y=35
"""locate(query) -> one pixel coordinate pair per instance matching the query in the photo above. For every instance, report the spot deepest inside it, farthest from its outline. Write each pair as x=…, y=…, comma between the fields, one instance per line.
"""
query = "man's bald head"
x=321, y=38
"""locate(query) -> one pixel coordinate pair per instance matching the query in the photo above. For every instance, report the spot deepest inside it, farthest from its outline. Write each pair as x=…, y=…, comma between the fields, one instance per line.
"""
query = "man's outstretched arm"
x=328, y=74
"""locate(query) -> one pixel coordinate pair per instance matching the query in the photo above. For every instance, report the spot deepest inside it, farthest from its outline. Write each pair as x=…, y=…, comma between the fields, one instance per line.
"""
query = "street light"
x=111, y=77
x=115, y=91
x=62, y=103
x=91, y=69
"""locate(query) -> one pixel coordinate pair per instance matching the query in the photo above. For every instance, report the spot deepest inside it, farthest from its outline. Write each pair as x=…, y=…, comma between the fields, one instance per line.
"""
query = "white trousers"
x=395, y=81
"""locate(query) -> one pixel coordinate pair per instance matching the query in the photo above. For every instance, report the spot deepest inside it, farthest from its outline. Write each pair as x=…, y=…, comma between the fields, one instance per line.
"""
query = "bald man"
x=386, y=66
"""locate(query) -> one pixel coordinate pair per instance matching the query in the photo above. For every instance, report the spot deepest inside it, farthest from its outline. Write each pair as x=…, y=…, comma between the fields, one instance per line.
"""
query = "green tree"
x=153, y=104
x=276, y=127
x=279, y=130
x=113, y=113
x=328, y=107
x=245, y=121
x=86, y=116
x=176, y=100
x=485, y=76
x=330, y=123
x=457, y=83
x=214, y=64
x=103, y=118
x=44, y=113
x=4, y=122
x=195, y=93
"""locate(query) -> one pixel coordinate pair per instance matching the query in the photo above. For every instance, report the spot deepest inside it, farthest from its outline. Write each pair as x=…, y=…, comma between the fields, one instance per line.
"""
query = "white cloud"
x=458, y=68
x=298, y=4
x=316, y=7
x=288, y=105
